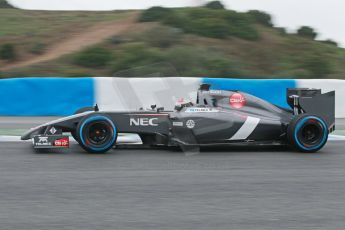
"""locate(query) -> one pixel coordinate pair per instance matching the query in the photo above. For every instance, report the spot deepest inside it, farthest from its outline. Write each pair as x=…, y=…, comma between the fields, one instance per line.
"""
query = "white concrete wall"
x=133, y=93
x=327, y=86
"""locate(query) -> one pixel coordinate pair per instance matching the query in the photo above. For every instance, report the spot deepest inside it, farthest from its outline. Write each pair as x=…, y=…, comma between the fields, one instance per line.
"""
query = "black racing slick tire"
x=81, y=110
x=97, y=133
x=307, y=133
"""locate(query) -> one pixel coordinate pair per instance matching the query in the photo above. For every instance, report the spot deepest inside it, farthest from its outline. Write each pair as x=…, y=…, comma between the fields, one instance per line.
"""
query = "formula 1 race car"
x=219, y=117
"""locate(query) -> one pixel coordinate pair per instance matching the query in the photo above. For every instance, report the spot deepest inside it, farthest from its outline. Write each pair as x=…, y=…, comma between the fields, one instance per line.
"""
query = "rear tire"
x=307, y=133
x=97, y=133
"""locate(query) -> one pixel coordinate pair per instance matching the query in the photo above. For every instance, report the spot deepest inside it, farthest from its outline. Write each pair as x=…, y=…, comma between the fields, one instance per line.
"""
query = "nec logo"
x=143, y=122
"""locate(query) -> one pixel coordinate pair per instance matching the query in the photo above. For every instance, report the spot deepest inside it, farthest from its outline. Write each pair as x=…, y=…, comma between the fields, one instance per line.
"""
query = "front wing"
x=50, y=141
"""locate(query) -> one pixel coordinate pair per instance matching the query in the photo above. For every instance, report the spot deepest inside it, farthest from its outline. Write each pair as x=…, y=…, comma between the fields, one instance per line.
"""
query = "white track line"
x=336, y=138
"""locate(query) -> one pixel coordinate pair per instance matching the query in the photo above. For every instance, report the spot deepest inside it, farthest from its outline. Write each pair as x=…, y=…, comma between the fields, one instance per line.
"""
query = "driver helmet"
x=182, y=103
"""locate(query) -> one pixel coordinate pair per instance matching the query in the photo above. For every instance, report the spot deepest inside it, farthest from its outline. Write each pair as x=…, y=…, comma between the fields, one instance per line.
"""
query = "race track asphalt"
x=160, y=189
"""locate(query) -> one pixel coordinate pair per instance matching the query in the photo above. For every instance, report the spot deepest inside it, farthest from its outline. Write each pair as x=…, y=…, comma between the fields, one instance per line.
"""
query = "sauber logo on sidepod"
x=143, y=122
x=237, y=100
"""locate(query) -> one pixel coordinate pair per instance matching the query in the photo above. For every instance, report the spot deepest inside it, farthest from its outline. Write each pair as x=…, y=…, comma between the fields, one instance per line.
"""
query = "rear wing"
x=312, y=101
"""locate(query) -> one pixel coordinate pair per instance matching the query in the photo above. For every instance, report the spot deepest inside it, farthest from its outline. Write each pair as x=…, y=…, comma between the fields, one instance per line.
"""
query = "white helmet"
x=181, y=103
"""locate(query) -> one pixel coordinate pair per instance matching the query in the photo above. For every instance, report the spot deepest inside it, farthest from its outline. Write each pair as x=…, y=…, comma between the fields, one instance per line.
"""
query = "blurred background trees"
x=205, y=21
x=307, y=32
x=261, y=17
x=94, y=57
x=5, y=4
x=216, y=5
x=7, y=52
x=209, y=40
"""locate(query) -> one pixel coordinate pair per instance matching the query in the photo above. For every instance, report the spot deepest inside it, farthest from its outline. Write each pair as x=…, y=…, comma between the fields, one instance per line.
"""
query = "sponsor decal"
x=63, y=142
x=190, y=124
x=143, y=121
x=43, y=141
x=216, y=92
x=178, y=123
x=237, y=100
x=52, y=130
x=202, y=110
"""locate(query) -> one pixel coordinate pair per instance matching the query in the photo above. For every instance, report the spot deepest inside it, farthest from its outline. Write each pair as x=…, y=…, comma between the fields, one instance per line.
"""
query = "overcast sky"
x=327, y=16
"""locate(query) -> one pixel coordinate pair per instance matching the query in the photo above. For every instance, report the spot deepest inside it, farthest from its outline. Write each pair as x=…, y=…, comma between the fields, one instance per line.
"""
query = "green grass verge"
x=12, y=132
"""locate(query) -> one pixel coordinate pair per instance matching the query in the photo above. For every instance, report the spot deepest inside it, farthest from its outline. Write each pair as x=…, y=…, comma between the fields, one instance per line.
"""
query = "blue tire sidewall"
x=300, y=125
x=106, y=145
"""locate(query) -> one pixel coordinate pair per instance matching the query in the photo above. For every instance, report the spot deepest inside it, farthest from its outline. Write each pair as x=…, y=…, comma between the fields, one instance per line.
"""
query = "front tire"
x=79, y=111
x=97, y=133
x=307, y=133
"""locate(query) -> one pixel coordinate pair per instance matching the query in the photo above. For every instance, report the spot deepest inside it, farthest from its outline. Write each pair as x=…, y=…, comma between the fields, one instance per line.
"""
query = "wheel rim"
x=311, y=133
x=98, y=133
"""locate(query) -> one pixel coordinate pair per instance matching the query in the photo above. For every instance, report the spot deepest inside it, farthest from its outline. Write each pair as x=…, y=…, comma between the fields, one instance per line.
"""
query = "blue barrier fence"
x=63, y=96
x=45, y=96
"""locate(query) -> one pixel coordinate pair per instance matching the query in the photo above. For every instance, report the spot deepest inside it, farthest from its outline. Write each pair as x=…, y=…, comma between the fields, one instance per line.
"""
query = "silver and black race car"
x=218, y=117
